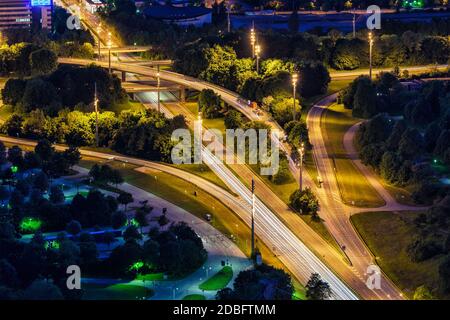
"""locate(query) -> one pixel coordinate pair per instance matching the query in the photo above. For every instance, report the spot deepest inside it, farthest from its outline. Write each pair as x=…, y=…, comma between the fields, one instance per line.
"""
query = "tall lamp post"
x=257, y=52
x=109, y=52
x=253, y=40
x=370, y=53
x=294, y=89
x=301, y=152
x=354, y=24
x=228, y=17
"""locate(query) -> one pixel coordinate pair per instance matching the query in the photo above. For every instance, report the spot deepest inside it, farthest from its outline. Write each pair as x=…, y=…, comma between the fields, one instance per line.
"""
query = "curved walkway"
x=374, y=180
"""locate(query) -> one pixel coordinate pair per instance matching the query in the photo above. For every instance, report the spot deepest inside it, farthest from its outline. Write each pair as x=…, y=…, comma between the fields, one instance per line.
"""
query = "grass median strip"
x=354, y=187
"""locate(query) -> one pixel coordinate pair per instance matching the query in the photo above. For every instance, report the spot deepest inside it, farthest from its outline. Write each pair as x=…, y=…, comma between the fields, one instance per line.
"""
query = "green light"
x=30, y=224
x=52, y=245
x=136, y=266
x=133, y=222
x=14, y=169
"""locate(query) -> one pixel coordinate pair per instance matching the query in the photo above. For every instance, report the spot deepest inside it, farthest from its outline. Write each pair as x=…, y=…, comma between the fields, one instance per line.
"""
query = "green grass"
x=354, y=187
x=218, y=281
x=388, y=234
x=5, y=112
x=194, y=297
x=151, y=277
x=120, y=291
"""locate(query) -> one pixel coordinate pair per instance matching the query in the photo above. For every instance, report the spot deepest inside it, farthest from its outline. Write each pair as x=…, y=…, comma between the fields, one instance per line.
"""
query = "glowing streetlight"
x=301, y=152
x=294, y=88
x=257, y=52
x=109, y=51
x=370, y=53
x=253, y=40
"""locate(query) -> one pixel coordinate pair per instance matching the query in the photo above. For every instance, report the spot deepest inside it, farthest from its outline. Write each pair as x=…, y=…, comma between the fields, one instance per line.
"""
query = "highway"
x=332, y=211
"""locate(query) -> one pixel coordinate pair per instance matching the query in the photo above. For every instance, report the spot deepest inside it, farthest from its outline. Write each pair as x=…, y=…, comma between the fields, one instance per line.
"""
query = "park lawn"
x=194, y=297
x=387, y=234
x=353, y=185
x=121, y=291
x=218, y=281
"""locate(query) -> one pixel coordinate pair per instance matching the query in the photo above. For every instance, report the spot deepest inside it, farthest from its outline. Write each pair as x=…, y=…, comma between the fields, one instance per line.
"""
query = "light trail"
x=277, y=234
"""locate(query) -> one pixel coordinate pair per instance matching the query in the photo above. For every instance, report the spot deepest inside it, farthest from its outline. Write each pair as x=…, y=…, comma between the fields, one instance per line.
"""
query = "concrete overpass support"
x=124, y=76
x=182, y=93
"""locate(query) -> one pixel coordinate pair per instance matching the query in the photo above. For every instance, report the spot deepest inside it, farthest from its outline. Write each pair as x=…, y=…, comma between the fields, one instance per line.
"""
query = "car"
x=208, y=217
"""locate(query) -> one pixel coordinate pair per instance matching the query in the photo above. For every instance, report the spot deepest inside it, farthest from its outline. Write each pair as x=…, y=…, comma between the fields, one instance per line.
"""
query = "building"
x=15, y=14
x=26, y=14
x=93, y=5
x=183, y=16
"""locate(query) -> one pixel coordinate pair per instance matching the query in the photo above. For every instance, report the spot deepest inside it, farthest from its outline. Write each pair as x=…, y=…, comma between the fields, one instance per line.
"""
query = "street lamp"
x=109, y=51
x=370, y=53
x=253, y=40
x=301, y=152
x=294, y=87
x=257, y=52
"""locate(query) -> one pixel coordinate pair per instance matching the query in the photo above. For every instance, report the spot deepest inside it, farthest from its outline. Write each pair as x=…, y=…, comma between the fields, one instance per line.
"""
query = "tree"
x=73, y=227
x=56, y=194
x=314, y=79
x=233, y=119
x=131, y=233
x=14, y=125
x=365, y=100
x=444, y=275
x=422, y=293
x=304, y=202
x=221, y=67
x=210, y=104
x=151, y=250
x=41, y=181
x=118, y=219
x=43, y=61
x=39, y=93
x=15, y=156
x=13, y=91
x=346, y=54
x=141, y=217
x=262, y=283
x=411, y=144
x=44, y=150
x=317, y=289
x=42, y=290
x=125, y=198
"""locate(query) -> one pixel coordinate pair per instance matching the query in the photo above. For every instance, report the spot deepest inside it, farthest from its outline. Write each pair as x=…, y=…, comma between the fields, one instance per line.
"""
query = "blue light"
x=41, y=3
